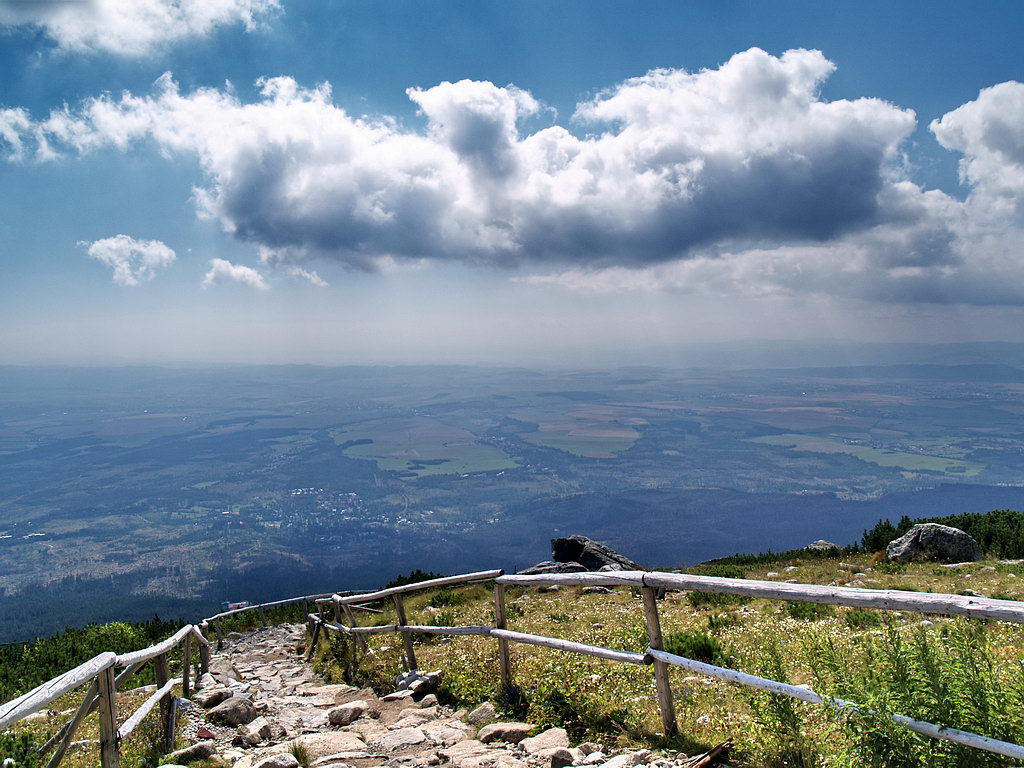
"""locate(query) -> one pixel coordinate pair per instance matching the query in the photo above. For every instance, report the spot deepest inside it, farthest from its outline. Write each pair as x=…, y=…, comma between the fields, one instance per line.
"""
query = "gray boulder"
x=234, y=711
x=591, y=554
x=931, y=541
x=513, y=733
x=550, y=566
x=821, y=544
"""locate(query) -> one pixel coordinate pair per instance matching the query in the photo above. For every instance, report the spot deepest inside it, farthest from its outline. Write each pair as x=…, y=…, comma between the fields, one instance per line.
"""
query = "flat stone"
x=334, y=692
x=444, y=732
x=280, y=760
x=191, y=754
x=319, y=745
x=403, y=737
x=549, y=739
x=347, y=713
x=405, y=693
x=512, y=733
x=482, y=714
x=211, y=697
x=463, y=749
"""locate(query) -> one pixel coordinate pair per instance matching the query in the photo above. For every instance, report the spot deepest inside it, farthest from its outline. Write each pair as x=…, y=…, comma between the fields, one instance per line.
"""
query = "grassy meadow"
x=955, y=672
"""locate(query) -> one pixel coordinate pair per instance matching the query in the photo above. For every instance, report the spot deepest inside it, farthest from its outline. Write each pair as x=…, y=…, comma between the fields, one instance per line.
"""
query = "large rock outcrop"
x=931, y=541
x=550, y=566
x=592, y=555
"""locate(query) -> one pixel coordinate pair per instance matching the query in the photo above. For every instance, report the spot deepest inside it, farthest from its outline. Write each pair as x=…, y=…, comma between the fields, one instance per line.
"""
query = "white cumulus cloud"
x=989, y=132
x=131, y=261
x=738, y=178
x=223, y=271
x=130, y=27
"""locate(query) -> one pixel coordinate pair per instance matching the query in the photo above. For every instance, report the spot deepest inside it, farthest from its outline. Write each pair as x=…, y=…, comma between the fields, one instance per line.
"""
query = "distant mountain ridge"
x=987, y=372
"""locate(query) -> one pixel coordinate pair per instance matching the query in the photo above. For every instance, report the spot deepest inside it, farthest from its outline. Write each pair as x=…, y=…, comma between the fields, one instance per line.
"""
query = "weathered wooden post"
x=186, y=666
x=500, y=621
x=162, y=673
x=665, y=702
x=67, y=733
x=313, y=639
x=350, y=617
x=204, y=649
x=410, y=654
x=110, y=756
x=220, y=635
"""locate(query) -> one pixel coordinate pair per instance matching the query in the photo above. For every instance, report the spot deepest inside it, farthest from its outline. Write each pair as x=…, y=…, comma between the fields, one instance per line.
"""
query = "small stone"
x=347, y=713
x=199, y=751
x=281, y=760
x=405, y=693
x=256, y=731
x=559, y=757
x=589, y=747
x=512, y=733
x=594, y=758
x=482, y=714
x=211, y=697
x=430, y=700
x=549, y=739
x=403, y=737
x=205, y=733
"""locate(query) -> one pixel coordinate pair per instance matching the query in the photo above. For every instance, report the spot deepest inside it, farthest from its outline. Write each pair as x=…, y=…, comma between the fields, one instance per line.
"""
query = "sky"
x=585, y=183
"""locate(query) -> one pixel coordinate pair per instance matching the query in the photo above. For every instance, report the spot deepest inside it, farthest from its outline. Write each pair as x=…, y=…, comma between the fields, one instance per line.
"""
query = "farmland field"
x=883, y=458
x=421, y=447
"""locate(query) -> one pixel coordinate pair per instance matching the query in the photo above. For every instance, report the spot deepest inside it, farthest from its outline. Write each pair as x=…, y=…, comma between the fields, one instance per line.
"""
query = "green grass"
x=581, y=445
x=883, y=458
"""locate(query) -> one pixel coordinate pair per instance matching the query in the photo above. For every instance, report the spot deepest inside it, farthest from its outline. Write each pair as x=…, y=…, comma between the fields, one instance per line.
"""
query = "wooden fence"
x=649, y=584
x=336, y=613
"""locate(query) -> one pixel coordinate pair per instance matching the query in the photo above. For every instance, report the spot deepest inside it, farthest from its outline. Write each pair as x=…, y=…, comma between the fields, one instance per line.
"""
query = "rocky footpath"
x=262, y=706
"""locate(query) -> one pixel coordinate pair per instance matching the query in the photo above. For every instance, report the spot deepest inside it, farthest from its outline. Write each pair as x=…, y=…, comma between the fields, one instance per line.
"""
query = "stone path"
x=262, y=706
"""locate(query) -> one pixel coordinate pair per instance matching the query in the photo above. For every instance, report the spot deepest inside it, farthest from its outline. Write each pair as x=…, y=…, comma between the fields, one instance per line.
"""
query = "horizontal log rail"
x=806, y=694
x=446, y=581
x=99, y=671
x=41, y=695
x=272, y=604
x=147, y=706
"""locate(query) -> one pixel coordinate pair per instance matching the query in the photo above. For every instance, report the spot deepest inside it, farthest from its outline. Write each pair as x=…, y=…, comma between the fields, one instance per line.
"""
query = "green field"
x=883, y=458
x=581, y=445
x=421, y=447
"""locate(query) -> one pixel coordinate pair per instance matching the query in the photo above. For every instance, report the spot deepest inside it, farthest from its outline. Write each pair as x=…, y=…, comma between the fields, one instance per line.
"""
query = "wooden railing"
x=105, y=673
x=99, y=672
x=650, y=583
x=102, y=674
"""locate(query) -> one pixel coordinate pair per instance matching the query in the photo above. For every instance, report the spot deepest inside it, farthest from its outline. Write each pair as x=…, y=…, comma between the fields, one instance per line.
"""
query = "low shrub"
x=698, y=646
x=446, y=598
x=700, y=599
x=718, y=621
x=808, y=611
x=861, y=618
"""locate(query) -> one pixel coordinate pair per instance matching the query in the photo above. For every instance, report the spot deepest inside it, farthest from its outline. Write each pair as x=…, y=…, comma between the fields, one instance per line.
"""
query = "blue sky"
x=529, y=263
